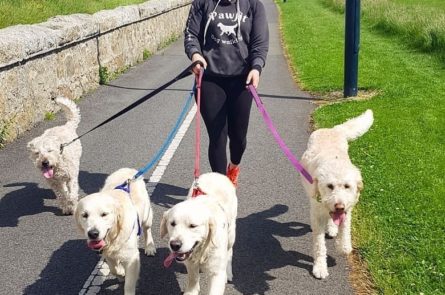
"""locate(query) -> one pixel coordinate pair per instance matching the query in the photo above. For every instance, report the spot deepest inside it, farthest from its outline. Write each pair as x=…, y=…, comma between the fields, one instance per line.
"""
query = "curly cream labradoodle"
x=336, y=187
x=112, y=221
x=201, y=233
x=60, y=169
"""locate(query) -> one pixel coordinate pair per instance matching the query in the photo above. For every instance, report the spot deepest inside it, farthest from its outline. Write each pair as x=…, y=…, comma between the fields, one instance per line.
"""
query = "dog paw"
x=320, y=271
x=344, y=249
x=118, y=272
x=67, y=211
x=332, y=231
x=150, y=250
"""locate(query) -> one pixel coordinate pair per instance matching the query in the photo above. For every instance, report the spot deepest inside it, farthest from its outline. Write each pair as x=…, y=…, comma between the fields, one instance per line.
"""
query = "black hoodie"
x=232, y=35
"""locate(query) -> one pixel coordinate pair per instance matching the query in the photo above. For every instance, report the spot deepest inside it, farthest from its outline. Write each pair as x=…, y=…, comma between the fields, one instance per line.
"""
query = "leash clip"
x=196, y=190
x=62, y=146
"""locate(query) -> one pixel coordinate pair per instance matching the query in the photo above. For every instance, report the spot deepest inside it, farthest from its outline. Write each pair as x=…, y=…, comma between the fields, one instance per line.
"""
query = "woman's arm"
x=193, y=30
x=259, y=38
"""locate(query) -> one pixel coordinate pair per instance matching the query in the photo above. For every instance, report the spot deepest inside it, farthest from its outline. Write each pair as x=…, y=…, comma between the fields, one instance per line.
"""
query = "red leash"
x=196, y=191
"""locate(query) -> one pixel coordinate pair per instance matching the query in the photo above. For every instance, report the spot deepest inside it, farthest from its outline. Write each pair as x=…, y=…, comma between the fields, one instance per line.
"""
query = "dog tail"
x=72, y=112
x=356, y=127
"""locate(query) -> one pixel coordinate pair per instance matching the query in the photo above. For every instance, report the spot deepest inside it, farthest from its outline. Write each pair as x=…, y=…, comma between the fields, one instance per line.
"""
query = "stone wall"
x=62, y=56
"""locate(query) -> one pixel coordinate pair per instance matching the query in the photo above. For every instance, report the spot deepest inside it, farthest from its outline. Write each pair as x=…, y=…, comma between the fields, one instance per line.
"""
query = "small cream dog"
x=60, y=169
x=336, y=187
x=111, y=220
x=201, y=233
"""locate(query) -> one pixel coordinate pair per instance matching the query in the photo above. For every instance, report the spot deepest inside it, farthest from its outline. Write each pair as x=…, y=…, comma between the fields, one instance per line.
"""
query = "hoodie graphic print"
x=231, y=35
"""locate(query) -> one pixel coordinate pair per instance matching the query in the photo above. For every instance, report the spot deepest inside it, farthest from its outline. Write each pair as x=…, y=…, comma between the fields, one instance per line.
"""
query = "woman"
x=231, y=39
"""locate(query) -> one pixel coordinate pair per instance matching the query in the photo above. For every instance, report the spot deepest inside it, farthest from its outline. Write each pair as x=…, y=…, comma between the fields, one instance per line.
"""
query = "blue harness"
x=126, y=188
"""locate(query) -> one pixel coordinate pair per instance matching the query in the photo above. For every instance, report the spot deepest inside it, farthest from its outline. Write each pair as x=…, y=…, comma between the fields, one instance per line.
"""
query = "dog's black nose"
x=175, y=245
x=339, y=207
x=93, y=234
x=45, y=163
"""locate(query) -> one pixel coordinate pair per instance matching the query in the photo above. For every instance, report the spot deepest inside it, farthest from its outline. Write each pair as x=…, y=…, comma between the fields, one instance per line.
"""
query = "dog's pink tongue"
x=338, y=217
x=169, y=260
x=96, y=245
x=48, y=173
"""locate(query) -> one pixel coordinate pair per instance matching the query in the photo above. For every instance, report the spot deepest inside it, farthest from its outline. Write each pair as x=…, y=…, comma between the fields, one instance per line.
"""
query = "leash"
x=126, y=185
x=196, y=191
x=277, y=137
x=170, y=137
x=186, y=72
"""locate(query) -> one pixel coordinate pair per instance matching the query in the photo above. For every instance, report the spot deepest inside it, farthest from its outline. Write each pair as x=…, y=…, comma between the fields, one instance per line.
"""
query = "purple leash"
x=277, y=137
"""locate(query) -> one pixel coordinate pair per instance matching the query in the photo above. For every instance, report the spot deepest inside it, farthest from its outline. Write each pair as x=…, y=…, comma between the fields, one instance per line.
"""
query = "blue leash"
x=170, y=137
x=126, y=185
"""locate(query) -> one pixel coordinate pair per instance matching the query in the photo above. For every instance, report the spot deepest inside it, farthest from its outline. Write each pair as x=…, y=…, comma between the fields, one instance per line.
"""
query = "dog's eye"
x=104, y=214
x=173, y=223
x=347, y=186
x=192, y=225
x=85, y=215
x=331, y=186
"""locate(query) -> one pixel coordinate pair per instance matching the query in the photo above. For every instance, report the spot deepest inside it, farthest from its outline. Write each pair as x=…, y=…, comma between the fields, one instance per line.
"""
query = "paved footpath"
x=42, y=253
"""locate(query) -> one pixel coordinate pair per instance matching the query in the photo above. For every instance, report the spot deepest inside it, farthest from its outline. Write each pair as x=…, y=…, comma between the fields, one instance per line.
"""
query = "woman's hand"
x=197, y=68
x=253, y=78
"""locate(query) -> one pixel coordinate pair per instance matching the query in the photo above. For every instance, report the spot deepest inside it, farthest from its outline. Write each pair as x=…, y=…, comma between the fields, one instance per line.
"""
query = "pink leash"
x=196, y=191
x=277, y=137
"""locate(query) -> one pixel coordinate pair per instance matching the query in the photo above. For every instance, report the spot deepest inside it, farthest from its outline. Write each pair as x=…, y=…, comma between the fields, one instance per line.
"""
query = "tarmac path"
x=42, y=252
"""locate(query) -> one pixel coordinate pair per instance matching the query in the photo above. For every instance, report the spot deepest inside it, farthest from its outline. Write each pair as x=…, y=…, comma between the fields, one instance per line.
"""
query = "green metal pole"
x=352, y=46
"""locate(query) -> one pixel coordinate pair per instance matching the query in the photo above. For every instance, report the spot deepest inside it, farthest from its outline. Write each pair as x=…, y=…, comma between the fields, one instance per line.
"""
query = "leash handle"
x=197, y=132
x=277, y=136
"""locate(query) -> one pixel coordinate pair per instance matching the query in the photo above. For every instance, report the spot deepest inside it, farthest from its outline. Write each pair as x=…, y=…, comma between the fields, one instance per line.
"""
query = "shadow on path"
x=91, y=182
x=27, y=199
x=257, y=251
x=166, y=195
x=67, y=270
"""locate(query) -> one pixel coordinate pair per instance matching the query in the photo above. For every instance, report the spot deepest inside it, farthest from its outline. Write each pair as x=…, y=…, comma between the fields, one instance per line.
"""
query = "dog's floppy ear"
x=77, y=218
x=359, y=186
x=30, y=145
x=315, y=193
x=212, y=229
x=118, y=224
x=163, y=228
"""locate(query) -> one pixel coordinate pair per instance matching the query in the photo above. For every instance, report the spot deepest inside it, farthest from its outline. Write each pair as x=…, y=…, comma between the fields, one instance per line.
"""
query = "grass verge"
x=399, y=229
x=420, y=24
x=13, y=12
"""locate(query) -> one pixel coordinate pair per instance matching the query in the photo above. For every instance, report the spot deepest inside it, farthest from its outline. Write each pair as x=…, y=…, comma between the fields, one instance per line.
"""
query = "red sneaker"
x=232, y=174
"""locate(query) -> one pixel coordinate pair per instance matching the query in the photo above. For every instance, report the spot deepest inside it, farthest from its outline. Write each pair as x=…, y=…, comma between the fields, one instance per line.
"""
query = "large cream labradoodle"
x=336, y=188
x=60, y=169
x=112, y=220
x=201, y=233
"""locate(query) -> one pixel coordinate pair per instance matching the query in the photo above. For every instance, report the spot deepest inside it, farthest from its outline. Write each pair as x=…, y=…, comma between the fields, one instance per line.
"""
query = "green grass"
x=50, y=116
x=13, y=12
x=429, y=3
x=420, y=24
x=399, y=224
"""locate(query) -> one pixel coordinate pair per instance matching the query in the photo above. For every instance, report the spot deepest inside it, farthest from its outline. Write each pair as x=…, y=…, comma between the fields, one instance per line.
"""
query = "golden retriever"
x=201, y=233
x=336, y=187
x=111, y=221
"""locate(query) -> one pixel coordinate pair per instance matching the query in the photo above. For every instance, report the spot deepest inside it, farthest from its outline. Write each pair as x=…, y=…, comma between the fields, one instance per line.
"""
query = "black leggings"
x=225, y=109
